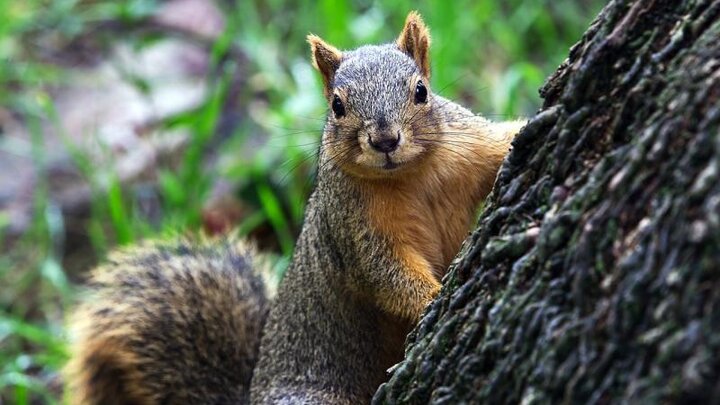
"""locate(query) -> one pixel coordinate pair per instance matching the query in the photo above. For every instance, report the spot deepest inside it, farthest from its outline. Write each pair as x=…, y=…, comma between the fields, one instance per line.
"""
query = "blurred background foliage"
x=246, y=141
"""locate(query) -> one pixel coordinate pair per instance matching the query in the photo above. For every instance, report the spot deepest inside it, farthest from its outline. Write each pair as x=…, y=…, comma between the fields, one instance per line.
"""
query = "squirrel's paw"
x=435, y=290
x=423, y=294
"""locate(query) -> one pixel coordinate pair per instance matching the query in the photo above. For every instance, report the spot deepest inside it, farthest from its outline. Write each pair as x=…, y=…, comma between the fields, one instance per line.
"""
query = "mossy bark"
x=594, y=273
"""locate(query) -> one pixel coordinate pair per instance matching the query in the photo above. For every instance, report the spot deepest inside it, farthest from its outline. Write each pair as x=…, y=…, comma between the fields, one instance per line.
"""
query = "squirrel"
x=401, y=172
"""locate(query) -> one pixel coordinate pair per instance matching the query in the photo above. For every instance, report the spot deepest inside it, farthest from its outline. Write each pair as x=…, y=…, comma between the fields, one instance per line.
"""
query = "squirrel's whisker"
x=465, y=158
x=293, y=131
x=454, y=135
x=296, y=165
x=445, y=143
x=445, y=87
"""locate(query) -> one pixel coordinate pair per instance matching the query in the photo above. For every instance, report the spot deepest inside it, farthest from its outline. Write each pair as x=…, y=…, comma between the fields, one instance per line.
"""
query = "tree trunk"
x=594, y=274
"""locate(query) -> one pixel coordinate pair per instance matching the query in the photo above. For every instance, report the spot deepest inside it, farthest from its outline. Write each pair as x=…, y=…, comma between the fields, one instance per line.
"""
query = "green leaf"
x=273, y=209
x=118, y=214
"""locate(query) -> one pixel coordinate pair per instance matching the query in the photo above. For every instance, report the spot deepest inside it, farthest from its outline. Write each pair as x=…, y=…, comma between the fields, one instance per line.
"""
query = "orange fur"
x=426, y=214
x=106, y=371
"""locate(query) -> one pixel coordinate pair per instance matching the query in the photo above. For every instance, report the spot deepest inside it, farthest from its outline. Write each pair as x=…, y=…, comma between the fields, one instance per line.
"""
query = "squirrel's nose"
x=385, y=144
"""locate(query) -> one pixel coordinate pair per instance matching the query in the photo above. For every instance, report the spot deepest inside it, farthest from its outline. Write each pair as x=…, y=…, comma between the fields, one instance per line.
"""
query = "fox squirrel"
x=401, y=173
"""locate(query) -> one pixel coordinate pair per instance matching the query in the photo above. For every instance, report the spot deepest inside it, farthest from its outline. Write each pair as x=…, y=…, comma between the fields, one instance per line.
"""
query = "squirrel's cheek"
x=364, y=142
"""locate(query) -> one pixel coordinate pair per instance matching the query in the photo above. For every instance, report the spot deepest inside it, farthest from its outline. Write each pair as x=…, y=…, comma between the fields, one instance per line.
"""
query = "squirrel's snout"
x=385, y=143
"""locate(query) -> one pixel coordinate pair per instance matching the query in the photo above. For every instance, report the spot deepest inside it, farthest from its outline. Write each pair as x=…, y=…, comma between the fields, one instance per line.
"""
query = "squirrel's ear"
x=326, y=59
x=414, y=40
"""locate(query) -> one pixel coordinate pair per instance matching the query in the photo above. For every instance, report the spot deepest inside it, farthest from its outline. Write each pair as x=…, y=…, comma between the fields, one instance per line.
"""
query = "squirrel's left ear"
x=326, y=59
x=414, y=40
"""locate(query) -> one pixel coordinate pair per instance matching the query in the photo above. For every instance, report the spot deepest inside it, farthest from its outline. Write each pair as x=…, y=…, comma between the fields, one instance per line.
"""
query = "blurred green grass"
x=493, y=56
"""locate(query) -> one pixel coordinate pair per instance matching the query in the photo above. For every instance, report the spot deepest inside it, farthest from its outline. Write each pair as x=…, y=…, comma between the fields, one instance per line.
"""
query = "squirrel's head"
x=381, y=119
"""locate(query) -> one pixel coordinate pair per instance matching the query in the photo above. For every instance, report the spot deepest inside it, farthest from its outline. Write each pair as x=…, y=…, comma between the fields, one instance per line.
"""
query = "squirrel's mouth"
x=389, y=164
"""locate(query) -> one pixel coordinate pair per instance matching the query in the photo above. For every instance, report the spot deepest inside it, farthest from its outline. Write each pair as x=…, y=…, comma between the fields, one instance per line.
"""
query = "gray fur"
x=376, y=78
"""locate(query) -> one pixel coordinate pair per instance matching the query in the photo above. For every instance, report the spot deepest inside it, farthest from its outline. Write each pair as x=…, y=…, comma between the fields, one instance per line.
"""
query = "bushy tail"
x=168, y=324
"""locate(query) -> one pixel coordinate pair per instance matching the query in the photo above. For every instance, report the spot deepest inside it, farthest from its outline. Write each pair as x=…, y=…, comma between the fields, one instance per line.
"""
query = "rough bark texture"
x=594, y=274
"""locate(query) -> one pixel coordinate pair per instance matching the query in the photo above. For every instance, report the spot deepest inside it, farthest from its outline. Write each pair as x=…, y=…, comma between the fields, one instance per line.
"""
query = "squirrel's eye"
x=420, y=93
x=338, y=107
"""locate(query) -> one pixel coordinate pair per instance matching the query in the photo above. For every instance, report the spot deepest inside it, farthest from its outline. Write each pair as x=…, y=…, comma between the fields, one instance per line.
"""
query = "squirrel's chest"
x=431, y=221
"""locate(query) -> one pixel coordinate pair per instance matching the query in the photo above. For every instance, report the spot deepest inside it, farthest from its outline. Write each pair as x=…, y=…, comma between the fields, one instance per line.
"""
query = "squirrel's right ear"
x=414, y=40
x=326, y=59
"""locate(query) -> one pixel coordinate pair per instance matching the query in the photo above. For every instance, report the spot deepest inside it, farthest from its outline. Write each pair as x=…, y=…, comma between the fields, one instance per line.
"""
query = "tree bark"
x=594, y=273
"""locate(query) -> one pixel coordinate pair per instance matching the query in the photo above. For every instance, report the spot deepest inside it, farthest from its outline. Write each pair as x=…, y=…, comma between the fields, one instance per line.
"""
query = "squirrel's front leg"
x=410, y=287
x=400, y=284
